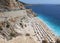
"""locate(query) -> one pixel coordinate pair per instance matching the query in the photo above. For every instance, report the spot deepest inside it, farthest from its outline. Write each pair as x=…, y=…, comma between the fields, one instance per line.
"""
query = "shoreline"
x=48, y=26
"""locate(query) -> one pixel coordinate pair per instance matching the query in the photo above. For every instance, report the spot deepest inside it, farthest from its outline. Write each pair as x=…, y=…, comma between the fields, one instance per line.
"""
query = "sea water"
x=50, y=14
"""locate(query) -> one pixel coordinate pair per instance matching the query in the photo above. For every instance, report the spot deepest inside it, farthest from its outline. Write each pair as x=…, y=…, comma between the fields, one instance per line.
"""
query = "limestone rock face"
x=22, y=39
x=19, y=39
x=10, y=5
x=4, y=4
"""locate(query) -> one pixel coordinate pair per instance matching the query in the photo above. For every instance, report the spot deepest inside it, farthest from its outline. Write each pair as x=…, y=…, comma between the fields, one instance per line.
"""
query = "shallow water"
x=54, y=27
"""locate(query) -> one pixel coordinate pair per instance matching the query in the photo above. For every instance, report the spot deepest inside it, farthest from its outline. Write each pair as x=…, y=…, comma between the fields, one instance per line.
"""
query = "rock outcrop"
x=10, y=5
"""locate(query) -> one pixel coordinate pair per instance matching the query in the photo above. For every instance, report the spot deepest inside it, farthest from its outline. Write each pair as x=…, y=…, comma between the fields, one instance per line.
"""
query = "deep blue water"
x=50, y=14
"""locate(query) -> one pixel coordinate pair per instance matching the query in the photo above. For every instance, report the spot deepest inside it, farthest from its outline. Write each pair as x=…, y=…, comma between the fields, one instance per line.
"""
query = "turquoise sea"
x=50, y=14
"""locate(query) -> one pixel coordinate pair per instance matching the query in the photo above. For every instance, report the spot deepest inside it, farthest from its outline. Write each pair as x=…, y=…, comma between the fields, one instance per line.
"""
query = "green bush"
x=57, y=41
x=1, y=28
x=44, y=41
